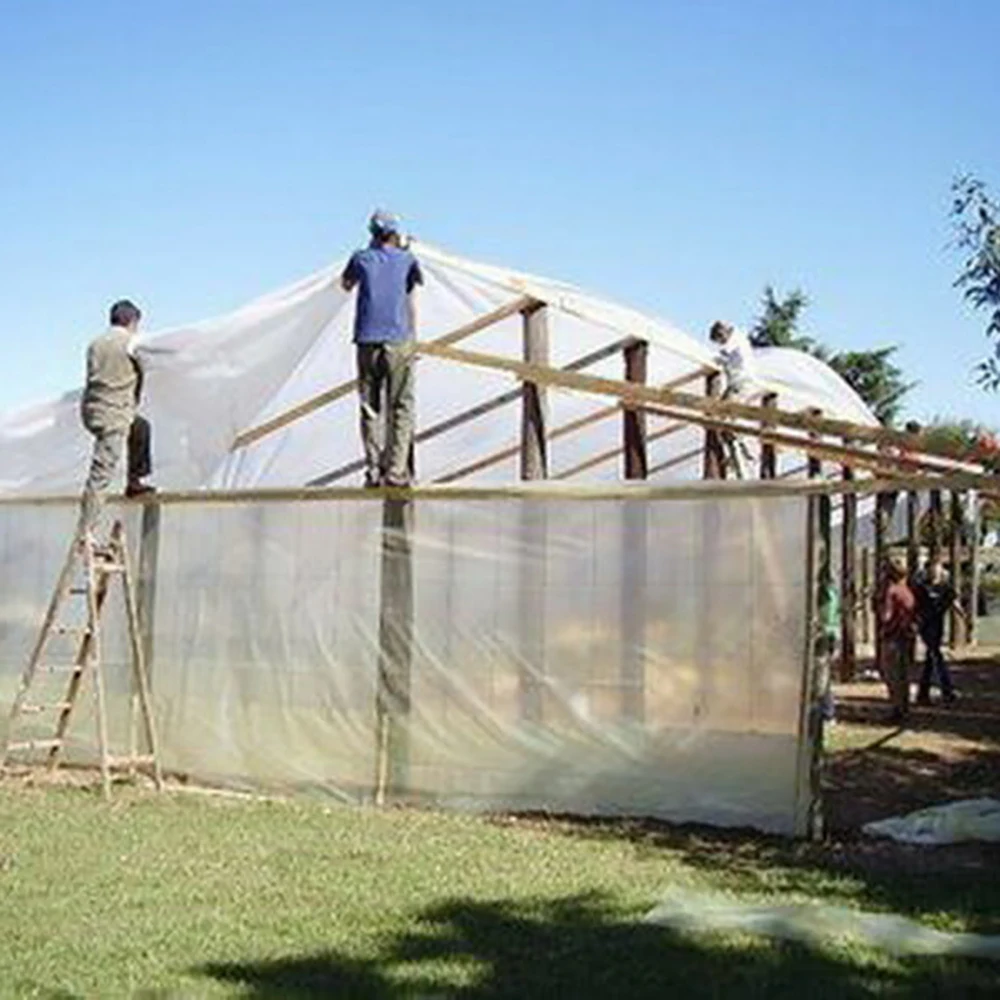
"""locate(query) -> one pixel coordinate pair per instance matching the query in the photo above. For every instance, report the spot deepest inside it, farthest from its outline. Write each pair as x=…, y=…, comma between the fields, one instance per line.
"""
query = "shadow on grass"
x=581, y=947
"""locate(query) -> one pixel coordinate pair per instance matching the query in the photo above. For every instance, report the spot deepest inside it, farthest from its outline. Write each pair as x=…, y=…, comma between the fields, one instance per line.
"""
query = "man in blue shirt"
x=386, y=277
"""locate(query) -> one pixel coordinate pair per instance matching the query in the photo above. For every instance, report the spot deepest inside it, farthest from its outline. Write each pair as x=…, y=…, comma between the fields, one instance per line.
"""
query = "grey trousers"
x=385, y=384
x=108, y=448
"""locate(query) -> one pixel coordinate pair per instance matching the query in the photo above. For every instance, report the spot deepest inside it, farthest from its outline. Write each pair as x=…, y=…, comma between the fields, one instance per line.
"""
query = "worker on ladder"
x=108, y=409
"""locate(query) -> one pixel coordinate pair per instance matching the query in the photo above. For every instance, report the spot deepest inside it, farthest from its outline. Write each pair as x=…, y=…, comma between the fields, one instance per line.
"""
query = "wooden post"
x=809, y=811
x=912, y=533
x=634, y=421
x=936, y=524
x=848, y=582
x=975, y=527
x=534, y=449
x=768, y=452
x=879, y=581
x=395, y=639
x=955, y=568
x=634, y=548
x=149, y=560
x=714, y=465
x=532, y=571
x=865, y=604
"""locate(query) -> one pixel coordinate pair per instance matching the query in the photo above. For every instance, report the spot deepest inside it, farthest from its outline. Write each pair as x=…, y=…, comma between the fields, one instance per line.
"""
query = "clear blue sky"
x=676, y=155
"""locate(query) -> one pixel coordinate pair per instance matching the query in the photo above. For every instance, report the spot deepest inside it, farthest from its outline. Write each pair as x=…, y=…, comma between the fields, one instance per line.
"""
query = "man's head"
x=126, y=314
x=720, y=332
x=936, y=572
x=896, y=568
x=385, y=228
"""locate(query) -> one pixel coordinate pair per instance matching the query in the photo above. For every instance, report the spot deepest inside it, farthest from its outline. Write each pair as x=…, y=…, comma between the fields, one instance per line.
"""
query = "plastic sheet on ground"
x=817, y=924
x=971, y=819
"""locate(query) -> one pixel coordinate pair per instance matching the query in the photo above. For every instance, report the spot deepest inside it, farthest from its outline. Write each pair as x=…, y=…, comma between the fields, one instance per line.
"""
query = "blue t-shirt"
x=384, y=276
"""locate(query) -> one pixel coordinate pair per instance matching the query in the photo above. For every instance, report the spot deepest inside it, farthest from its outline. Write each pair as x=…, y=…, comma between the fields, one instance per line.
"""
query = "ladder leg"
x=94, y=650
x=140, y=676
x=58, y=596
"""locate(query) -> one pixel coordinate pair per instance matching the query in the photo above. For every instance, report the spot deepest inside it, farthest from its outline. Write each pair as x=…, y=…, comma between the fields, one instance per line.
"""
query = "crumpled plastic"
x=816, y=924
x=970, y=819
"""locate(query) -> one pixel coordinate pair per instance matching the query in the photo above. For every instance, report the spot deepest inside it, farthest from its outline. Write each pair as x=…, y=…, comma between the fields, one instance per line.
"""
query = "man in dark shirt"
x=935, y=598
x=386, y=277
x=897, y=619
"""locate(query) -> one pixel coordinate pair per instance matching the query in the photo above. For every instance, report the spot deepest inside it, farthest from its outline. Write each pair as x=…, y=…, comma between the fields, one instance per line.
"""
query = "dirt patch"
x=942, y=754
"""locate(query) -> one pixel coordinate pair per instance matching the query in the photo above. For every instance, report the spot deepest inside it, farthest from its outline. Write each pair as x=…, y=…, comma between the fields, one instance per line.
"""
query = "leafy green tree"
x=872, y=374
x=778, y=323
x=976, y=218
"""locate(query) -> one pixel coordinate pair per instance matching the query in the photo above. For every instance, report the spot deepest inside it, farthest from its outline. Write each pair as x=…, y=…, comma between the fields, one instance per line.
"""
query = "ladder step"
x=61, y=668
x=58, y=706
x=108, y=567
x=71, y=629
x=34, y=745
x=131, y=761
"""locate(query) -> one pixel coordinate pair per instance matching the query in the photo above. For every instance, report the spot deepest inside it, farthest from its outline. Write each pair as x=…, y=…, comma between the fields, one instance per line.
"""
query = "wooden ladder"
x=87, y=574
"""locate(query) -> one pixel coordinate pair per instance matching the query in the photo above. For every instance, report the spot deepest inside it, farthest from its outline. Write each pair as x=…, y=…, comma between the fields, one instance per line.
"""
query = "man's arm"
x=414, y=279
x=350, y=277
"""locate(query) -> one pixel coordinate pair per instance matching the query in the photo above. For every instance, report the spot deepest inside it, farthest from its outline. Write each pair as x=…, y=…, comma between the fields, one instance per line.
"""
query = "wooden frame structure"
x=853, y=449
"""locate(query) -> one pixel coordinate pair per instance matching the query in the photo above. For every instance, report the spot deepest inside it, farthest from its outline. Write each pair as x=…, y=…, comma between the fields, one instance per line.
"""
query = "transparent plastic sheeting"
x=610, y=657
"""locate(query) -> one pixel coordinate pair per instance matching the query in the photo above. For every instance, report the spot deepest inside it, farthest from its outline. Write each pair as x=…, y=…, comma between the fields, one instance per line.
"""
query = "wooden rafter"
x=913, y=446
x=473, y=413
x=345, y=388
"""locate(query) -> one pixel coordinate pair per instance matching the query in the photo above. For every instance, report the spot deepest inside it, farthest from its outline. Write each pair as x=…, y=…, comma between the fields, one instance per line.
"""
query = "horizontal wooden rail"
x=913, y=445
x=735, y=489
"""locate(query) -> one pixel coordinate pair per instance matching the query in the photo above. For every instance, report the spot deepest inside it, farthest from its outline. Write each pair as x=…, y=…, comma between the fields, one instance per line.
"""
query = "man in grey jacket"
x=108, y=410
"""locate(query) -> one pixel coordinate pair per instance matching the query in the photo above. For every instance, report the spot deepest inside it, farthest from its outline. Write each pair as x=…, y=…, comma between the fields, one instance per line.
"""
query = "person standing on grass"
x=108, y=411
x=386, y=277
x=897, y=616
x=935, y=598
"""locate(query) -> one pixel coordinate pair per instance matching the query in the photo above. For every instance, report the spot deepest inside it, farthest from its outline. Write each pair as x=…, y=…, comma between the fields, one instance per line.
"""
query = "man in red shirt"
x=897, y=620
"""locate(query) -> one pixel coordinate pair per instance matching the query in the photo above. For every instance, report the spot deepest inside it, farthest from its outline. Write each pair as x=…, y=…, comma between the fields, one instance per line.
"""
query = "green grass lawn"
x=184, y=895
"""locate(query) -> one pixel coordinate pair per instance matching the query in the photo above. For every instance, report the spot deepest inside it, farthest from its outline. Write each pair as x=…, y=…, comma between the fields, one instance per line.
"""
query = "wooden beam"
x=859, y=458
x=912, y=533
x=768, y=453
x=149, y=561
x=633, y=420
x=848, y=581
x=936, y=524
x=911, y=445
x=670, y=463
x=606, y=456
x=534, y=404
x=329, y=396
x=972, y=635
x=714, y=463
x=479, y=410
x=955, y=567
x=865, y=597
x=395, y=639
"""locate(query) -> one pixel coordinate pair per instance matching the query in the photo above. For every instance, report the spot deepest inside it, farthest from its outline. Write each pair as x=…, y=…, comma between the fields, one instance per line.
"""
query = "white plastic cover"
x=628, y=656
x=209, y=381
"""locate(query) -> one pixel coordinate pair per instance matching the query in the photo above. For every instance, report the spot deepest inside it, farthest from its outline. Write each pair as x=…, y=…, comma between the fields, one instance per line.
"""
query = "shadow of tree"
x=582, y=947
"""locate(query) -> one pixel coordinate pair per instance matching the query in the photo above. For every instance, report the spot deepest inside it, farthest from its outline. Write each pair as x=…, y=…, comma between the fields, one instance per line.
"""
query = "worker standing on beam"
x=386, y=276
x=108, y=410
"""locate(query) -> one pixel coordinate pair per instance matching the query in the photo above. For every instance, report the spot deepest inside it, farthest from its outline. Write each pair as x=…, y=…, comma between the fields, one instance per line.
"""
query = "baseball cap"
x=383, y=222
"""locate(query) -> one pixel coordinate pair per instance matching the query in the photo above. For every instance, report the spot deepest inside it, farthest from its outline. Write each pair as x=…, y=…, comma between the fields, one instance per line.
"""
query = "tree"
x=976, y=218
x=777, y=325
x=874, y=377
x=872, y=374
